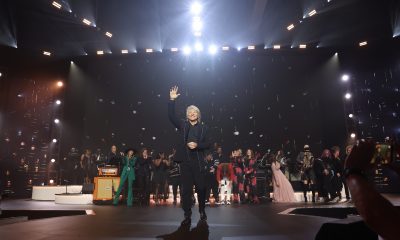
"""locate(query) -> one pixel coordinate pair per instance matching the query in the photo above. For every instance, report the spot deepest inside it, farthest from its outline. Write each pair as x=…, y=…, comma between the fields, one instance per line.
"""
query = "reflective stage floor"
x=266, y=221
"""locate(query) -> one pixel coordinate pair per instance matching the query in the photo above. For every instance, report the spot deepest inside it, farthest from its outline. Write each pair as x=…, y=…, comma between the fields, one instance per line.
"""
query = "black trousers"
x=144, y=189
x=192, y=174
x=175, y=182
x=211, y=184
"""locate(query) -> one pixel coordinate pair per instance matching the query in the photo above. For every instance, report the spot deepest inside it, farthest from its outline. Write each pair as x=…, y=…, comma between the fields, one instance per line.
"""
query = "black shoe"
x=305, y=199
x=187, y=221
x=203, y=216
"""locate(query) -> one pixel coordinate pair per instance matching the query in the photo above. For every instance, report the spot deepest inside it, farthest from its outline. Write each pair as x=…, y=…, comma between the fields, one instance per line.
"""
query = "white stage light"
x=351, y=115
x=198, y=34
x=312, y=13
x=58, y=102
x=361, y=44
x=51, y=181
x=345, y=77
x=100, y=52
x=251, y=47
x=87, y=22
x=1, y=74
x=46, y=53
x=149, y=50
x=198, y=47
x=212, y=49
x=347, y=95
x=353, y=135
x=302, y=46
x=196, y=8
x=225, y=48
x=124, y=51
x=56, y=4
x=57, y=121
x=108, y=34
x=290, y=27
x=174, y=49
x=197, y=25
x=187, y=50
x=277, y=46
x=60, y=84
x=53, y=160
x=54, y=140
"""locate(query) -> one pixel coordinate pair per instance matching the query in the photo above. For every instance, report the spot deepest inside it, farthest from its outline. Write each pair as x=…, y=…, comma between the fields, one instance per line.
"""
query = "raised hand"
x=173, y=93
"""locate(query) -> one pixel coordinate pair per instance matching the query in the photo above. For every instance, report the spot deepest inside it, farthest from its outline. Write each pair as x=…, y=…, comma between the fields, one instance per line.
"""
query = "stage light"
x=87, y=22
x=290, y=27
x=351, y=115
x=197, y=34
x=47, y=53
x=353, y=135
x=277, y=46
x=187, y=50
x=196, y=8
x=56, y=4
x=302, y=46
x=54, y=140
x=336, y=53
x=212, y=49
x=251, y=47
x=198, y=47
x=347, y=96
x=149, y=50
x=100, y=52
x=108, y=34
x=1, y=74
x=174, y=49
x=56, y=121
x=51, y=181
x=312, y=13
x=60, y=84
x=361, y=44
x=124, y=51
x=58, y=102
x=345, y=77
x=197, y=24
x=53, y=160
x=225, y=48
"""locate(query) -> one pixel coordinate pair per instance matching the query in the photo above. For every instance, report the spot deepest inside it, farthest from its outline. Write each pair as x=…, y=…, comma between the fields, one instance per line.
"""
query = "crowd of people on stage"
x=240, y=177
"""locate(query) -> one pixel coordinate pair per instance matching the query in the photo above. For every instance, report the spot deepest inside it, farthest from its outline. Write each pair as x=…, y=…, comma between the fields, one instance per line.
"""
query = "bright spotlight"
x=196, y=8
x=58, y=102
x=46, y=53
x=197, y=24
x=100, y=52
x=225, y=48
x=353, y=135
x=124, y=51
x=53, y=160
x=347, y=96
x=187, y=50
x=351, y=115
x=361, y=44
x=277, y=46
x=54, y=140
x=345, y=77
x=251, y=47
x=174, y=49
x=302, y=46
x=312, y=13
x=1, y=74
x=57, y=121
x=212, y=49
x=197, y=34
x=149, y=50
x=198, y=47
x=108, y=34
x=60, y=84
x=56, y=4
x=87, y=22
x=290, y=27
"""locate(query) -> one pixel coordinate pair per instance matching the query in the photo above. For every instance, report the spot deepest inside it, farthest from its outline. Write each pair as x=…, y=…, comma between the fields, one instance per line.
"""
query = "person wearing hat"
x=306, y=161
x=128, y=173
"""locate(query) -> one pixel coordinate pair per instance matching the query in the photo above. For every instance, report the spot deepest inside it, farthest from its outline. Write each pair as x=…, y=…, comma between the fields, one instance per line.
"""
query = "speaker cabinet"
x=104, y=188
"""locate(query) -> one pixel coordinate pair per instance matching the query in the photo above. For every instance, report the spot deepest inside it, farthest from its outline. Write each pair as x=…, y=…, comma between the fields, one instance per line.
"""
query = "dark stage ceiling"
x=38, y=26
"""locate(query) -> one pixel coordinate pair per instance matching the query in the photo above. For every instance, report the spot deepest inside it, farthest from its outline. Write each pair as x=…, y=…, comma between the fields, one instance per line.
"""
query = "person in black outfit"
x=114, y=158
x=193, y=167
x=338, y=171
x=174, y=175
x=143, y=166
x=211, y=178
x=324, y=171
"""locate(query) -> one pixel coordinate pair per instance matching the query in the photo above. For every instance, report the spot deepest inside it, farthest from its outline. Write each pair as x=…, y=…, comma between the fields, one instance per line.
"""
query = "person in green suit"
x=128, y=173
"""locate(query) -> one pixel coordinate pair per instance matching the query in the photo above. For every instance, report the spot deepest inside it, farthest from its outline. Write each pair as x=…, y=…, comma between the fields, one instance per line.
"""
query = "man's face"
x=219, y=150
x=192, y=115
x=113, y=149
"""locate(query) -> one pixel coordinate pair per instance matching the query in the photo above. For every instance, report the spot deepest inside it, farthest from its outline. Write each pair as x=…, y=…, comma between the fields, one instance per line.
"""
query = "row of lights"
x=345, y=78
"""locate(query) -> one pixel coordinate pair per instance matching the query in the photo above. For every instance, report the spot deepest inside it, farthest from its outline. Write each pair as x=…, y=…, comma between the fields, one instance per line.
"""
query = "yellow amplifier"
x=104, y=187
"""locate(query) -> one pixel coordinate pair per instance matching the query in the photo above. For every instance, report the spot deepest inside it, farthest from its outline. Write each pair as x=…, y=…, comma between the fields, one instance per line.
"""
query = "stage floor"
x=252, y=222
